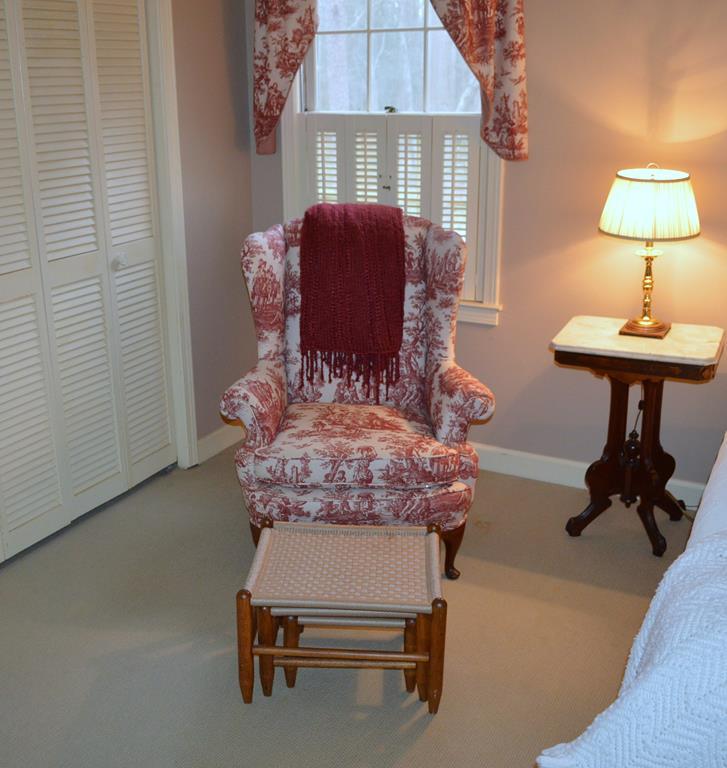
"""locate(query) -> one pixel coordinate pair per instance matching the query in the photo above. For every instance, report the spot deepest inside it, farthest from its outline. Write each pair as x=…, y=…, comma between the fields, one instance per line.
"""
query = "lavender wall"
x=209, y=41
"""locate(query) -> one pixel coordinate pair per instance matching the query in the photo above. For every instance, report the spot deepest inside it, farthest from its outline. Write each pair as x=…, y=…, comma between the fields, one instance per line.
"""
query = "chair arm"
x=258, y=400
x=455, y=399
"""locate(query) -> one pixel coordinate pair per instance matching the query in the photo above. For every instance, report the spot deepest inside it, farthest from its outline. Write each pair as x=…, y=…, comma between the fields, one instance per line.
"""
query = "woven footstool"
x=343, y=576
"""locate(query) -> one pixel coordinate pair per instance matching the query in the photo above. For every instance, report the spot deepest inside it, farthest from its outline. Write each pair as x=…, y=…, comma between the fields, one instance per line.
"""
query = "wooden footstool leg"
x=436, y=653
x=245, y=635
x=266, y=636
x=410, y=646
x=291, y=633
x=423, y=630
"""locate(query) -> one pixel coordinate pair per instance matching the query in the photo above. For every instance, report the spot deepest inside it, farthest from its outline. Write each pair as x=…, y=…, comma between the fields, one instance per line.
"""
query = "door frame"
x=172, y=227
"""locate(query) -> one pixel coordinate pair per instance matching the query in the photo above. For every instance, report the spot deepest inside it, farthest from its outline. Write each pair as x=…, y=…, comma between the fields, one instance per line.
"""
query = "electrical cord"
x=640, y=409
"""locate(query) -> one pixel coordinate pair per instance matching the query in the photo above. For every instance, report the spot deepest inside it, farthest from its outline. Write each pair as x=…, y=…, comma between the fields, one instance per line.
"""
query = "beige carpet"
x=117, y=641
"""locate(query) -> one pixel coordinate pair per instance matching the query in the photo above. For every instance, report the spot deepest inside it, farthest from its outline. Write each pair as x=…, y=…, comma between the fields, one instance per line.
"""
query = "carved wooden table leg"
x=652, y=484
x=671, y=505
x=665, y=466
x=604, y=476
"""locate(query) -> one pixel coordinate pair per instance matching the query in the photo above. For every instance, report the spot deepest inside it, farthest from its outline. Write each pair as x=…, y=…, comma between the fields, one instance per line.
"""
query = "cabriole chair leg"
x=452, y=540
x=255, y=531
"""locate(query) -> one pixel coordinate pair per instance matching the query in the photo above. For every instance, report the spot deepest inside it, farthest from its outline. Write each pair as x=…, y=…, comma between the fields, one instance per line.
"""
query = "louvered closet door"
x=126, y=136
x=71, y=234
x=85, y=294
x=31, y=479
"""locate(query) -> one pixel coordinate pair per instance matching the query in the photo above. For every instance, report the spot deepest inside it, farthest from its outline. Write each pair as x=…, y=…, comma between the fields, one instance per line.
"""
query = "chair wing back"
x=435, y=261
x=263, y=266
x=445, y=256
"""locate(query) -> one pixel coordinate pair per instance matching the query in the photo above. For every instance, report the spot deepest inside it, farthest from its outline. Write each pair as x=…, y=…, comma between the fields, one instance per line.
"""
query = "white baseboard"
x=212, y=444
x=550, y=469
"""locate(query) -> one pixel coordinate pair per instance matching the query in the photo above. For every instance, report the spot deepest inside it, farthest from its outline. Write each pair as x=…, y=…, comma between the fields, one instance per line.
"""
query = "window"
x=387, y=111
x=372, y=55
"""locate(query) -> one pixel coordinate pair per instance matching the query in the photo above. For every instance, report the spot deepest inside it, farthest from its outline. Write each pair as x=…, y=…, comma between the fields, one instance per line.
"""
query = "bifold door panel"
x=84, y=382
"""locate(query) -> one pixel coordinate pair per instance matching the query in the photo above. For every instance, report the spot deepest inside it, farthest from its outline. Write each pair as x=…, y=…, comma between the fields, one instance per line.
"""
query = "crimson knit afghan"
x=352, y=293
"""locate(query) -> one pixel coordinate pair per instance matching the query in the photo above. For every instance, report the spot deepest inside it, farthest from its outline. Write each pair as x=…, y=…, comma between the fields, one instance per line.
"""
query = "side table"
x=635, y=468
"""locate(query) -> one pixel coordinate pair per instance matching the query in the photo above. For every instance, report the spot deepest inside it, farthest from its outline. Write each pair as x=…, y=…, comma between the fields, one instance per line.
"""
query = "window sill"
x=479, y=313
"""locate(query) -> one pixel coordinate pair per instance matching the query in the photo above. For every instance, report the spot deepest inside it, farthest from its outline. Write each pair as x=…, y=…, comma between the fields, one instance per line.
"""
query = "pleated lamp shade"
x=650, y=204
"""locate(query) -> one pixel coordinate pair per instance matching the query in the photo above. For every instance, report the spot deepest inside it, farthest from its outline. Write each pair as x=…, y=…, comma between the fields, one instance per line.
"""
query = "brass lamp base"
x=646, y=325
x=641, y=326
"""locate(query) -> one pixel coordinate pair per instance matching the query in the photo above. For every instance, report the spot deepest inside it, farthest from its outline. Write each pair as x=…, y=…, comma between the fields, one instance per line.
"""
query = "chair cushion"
x=335, y=444
x=444, y=505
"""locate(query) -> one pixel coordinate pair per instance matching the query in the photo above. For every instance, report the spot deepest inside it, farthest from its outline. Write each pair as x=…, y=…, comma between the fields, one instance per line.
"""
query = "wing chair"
x=324, y=451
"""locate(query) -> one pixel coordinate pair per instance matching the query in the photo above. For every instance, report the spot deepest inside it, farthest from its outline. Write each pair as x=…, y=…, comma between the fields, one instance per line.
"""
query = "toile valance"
x=490, y=35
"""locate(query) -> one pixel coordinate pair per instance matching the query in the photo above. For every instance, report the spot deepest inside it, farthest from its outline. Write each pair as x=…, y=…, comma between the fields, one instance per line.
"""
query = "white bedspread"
x=712, y=515
x=671, y=711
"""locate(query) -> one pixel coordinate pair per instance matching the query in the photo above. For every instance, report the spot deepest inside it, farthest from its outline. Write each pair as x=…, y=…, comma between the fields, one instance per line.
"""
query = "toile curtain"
x=490, y=35
x=284, y=30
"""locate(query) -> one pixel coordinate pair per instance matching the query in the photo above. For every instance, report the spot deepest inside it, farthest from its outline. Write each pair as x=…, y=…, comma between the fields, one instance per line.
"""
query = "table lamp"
x=650, y=204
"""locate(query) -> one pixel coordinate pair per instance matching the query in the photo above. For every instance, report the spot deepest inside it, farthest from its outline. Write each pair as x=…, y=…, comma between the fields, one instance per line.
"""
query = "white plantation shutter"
x=347, y=159
x=363, y=160
x=327, y=166
x=84, y=386
x=409, y=156
x=428, y=165
x=455, y=182
x=455, y=187
x=366, y=167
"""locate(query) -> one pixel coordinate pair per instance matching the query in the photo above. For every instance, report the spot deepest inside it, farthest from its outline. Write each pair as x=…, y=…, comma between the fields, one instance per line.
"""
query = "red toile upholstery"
x=323, y=451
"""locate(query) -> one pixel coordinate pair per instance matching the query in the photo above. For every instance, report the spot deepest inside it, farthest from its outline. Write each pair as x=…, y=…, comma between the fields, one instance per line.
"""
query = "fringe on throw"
x=373, y=369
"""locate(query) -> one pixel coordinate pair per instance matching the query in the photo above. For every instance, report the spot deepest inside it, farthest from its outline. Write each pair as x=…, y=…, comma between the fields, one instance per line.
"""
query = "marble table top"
x=687, y=344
